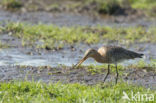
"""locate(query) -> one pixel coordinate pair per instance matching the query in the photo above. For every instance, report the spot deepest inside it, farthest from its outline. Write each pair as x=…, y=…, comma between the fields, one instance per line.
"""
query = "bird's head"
x=88, y=53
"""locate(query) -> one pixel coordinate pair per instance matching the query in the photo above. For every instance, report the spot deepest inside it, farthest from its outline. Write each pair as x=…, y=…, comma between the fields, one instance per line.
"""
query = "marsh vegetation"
x=41, y=40
x=110, y=7
x=52, y=36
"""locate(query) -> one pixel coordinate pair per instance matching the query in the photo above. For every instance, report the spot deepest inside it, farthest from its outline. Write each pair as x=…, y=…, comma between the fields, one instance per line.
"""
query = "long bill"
x=81, y=61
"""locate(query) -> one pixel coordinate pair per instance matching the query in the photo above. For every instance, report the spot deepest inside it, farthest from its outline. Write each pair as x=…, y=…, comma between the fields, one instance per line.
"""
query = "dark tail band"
x=141, y=55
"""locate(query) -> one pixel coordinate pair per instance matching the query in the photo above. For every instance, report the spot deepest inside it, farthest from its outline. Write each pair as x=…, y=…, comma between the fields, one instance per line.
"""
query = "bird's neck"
x=98, y=57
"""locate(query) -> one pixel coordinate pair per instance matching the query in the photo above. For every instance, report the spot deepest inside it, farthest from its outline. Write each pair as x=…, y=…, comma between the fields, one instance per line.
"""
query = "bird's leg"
x=107, y=73
x=117, y=74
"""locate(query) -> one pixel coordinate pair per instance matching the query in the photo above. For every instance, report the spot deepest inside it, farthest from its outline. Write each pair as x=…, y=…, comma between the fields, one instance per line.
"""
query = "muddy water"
x=18, y=57
x=66, y=56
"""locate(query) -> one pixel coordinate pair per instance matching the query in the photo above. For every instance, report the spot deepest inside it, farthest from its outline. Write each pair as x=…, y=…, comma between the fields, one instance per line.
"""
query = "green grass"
x=37, y=92
x=142, y=64
x=51, y=36
x=11, y=4
x=110, y=7
x=148, y=6
x=97, y=69
x=105, y=6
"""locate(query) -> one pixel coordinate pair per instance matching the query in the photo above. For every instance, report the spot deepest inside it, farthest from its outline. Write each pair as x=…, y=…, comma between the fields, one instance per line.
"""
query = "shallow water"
x=17, y=56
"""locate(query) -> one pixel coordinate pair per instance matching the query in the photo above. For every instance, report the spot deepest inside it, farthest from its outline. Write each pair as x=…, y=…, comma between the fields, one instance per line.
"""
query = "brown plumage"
x=110, y=55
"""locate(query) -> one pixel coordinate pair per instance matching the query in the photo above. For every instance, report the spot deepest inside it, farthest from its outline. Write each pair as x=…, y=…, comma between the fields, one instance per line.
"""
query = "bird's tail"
x=140, y=55
x=132, y=55
x=135, y=55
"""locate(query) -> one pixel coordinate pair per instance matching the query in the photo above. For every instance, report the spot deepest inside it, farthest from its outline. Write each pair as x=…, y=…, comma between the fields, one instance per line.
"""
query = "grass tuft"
x=148, y=6
x=110, y=7
x=96, y=69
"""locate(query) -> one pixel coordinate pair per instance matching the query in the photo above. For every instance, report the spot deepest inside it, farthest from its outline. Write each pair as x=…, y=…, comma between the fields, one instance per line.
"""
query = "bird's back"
x=113, y=54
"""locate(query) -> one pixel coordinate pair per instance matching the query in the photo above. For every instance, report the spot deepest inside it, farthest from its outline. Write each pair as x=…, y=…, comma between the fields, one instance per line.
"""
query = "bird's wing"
x=119, y=53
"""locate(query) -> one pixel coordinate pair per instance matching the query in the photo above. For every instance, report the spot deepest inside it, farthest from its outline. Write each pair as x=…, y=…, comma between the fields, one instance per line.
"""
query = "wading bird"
x=110, y=55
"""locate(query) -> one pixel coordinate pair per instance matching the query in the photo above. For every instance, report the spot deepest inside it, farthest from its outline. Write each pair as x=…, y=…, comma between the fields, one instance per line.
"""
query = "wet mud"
x=72, y=75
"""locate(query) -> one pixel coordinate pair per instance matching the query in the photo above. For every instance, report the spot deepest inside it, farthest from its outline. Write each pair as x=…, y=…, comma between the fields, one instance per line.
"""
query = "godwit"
x=110, y=55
